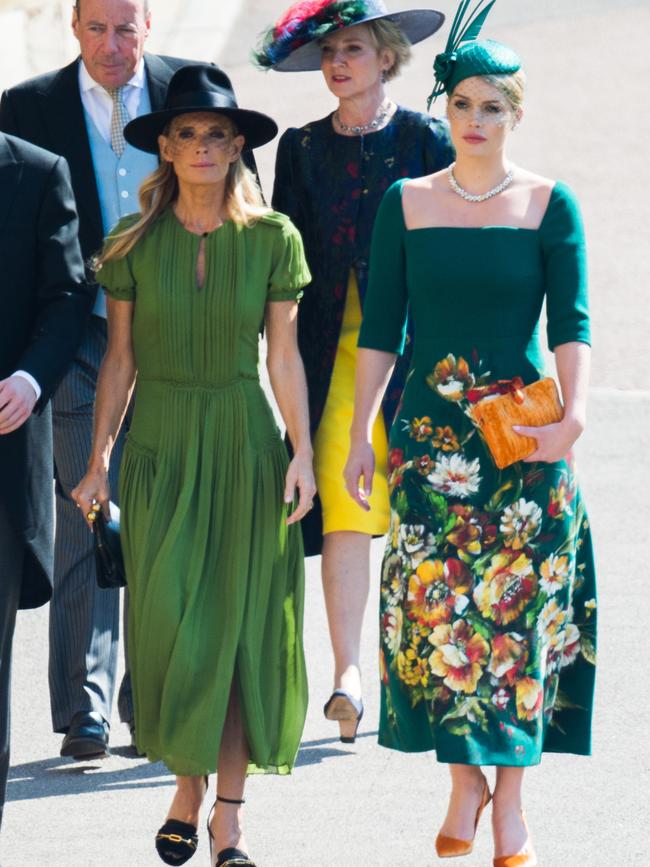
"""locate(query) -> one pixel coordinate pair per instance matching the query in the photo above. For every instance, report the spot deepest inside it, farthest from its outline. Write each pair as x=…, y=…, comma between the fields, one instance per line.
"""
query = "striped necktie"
x=119, y=120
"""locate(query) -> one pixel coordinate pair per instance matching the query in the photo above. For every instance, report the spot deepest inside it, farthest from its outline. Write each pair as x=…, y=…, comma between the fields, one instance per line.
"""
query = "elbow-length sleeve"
x=116, y=276
x=385, y=306
x=565, y=270
x=290, y=270
x=285, y=195
x=438, y=150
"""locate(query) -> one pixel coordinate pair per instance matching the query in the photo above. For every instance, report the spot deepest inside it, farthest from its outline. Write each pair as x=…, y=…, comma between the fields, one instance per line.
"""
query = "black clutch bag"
x=109, y=561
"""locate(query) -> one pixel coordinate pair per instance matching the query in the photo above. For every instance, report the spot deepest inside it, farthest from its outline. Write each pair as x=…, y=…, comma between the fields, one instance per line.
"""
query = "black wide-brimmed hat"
x=200, y=87
x=293, y=43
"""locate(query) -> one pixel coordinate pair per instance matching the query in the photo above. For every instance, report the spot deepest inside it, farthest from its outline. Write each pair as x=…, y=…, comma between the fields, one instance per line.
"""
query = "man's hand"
x=17, y=399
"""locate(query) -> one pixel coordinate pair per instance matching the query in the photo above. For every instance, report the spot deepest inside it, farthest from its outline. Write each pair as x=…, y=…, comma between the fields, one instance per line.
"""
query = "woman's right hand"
x=360, y=465
x=93, y=488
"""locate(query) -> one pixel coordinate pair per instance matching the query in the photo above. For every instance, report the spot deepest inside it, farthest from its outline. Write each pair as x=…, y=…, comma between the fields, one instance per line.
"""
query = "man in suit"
x=45, y=303
x=79, y=112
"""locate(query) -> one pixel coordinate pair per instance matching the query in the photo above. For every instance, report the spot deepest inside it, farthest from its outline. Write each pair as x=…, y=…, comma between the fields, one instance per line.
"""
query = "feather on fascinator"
x=465, y=57
x=291, y=44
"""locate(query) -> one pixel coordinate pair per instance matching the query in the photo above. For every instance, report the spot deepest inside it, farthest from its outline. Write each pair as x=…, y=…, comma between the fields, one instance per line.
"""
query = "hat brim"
x=415, y=24
x=258, y=129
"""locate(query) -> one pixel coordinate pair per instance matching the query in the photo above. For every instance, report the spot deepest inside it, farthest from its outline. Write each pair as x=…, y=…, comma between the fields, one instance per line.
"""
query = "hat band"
x=195, y=100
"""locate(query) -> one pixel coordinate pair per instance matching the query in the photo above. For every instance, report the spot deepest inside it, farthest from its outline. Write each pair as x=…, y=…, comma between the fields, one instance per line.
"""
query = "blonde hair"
x=243, y=204
x=388, y=37
x=512, y=87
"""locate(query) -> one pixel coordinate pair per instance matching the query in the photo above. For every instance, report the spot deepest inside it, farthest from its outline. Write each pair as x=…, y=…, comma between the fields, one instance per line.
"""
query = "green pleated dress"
x=488, y=584
x=215, y=576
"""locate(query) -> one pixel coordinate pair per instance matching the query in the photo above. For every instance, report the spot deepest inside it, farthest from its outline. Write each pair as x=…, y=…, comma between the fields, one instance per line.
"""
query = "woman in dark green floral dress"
x=488, y=585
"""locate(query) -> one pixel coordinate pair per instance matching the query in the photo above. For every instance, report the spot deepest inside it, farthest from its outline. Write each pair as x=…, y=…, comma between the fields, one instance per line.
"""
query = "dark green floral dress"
x=488, y=609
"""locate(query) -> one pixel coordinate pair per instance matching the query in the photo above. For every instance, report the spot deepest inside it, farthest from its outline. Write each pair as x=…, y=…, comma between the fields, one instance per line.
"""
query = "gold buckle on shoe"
x=176, y=838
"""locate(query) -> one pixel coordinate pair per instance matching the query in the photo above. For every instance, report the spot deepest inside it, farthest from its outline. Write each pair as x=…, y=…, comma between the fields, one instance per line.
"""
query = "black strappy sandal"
x=176, y=841
x=233, y=858
x=228, y=857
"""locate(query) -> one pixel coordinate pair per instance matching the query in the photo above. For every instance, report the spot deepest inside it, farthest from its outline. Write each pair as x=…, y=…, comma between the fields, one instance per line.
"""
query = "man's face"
x=111, y=35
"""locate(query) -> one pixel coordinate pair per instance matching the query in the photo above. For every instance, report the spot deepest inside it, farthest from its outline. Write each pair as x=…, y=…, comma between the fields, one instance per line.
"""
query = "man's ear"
x=75, y=24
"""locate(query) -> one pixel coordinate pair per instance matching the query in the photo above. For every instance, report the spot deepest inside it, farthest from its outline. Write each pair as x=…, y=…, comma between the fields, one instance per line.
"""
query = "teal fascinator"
x=464, y=56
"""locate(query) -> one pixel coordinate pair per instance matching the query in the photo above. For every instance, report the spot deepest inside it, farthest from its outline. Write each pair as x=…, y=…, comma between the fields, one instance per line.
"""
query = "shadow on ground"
x=55, y=777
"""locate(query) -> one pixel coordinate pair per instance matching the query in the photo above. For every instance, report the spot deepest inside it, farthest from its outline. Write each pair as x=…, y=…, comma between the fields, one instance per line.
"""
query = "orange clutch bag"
x=532, y=405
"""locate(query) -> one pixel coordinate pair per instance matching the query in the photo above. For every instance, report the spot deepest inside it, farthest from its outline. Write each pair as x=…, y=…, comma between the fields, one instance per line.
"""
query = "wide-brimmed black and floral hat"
x=292, y=44
x=200, y=87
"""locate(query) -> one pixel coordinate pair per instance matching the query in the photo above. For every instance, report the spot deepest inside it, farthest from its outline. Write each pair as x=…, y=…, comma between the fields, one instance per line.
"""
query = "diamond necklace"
x=366, y=127
x=470, y=197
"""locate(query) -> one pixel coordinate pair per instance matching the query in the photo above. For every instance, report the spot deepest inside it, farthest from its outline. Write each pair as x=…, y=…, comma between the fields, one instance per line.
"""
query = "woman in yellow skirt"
x=330, y=177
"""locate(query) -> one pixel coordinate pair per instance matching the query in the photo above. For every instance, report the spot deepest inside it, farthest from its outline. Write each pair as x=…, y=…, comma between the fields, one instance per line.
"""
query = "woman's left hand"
x=300, y=475
x=554, y=441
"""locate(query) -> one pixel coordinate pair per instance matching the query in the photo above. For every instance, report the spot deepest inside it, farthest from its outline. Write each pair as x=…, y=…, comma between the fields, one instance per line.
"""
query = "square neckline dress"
x=216, y=578
x=487, y=595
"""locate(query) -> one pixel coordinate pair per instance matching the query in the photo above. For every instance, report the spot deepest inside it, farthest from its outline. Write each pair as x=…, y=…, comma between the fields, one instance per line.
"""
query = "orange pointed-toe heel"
x=527, y=859
x=523, y=859
x=451, y=847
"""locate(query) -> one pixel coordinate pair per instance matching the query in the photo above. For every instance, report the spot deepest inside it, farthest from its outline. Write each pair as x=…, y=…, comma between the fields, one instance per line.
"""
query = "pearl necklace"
x=366, y=127
x=470, y=197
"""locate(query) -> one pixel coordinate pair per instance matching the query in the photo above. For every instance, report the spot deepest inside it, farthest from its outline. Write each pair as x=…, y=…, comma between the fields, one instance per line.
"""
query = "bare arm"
x=289, y=385
x=554, y=441
x=114, y=388
x=374, y=369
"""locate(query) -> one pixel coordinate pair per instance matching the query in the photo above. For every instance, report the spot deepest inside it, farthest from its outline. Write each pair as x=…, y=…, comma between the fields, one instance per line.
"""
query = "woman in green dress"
x=214, y=560
x=488, y=584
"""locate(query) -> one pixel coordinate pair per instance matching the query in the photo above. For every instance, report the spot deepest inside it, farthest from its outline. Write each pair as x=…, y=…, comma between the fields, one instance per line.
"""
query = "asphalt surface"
x=587, y=123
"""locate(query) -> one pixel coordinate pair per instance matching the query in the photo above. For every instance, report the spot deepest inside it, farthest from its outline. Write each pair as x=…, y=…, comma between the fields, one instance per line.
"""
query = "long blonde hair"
x=243, y=204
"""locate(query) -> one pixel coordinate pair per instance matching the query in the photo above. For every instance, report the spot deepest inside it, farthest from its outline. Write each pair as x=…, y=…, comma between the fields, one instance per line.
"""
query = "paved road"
x=587, y=123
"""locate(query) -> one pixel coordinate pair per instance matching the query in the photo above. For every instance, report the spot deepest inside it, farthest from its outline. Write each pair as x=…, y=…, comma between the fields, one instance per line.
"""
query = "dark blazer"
x=48, y=111
x=331, y=186
x=44, y=300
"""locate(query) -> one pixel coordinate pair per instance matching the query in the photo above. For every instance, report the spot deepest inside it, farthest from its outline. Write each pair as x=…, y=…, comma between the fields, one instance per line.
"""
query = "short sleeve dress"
x=488, y=609
x=215, y=575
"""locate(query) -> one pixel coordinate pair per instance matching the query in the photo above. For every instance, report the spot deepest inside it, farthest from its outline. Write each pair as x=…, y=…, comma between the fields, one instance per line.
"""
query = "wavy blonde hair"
x=243, y=204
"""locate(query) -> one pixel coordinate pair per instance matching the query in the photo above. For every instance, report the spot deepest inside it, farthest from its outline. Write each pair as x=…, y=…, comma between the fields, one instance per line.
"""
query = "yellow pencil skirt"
x=332, y=441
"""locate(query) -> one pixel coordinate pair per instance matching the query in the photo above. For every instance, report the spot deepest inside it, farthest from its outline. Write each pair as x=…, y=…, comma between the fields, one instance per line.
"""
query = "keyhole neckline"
x=200, y=235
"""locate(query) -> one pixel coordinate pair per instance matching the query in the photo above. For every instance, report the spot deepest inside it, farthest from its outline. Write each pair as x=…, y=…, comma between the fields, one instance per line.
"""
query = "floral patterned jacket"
x=331, y=186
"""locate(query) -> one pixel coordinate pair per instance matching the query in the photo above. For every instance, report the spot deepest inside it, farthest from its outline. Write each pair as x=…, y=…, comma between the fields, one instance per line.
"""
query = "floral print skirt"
x=488, y=611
